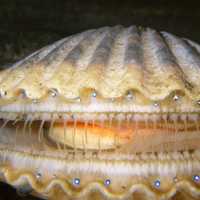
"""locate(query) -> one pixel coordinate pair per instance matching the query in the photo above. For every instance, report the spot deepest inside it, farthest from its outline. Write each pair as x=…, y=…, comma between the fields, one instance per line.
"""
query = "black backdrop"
x=26, y=25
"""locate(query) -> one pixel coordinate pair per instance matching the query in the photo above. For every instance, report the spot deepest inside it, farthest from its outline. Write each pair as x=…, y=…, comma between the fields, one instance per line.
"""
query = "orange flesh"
x=132, y=136
x=127, y=130
x=137, y=136
x=101, y=130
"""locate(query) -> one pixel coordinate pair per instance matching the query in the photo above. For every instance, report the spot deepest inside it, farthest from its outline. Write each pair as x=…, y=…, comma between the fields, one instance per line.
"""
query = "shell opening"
x=120, y=132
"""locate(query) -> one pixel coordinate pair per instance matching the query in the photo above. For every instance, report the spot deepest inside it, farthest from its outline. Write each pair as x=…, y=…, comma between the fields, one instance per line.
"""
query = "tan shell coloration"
x=142, y=187
x=111, y=61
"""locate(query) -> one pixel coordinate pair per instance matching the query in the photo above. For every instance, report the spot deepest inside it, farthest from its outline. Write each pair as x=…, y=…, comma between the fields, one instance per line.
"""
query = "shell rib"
x=111, y=61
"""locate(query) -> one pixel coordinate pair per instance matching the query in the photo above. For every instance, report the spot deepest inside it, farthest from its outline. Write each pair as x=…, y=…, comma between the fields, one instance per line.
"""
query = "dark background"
x=26, y=25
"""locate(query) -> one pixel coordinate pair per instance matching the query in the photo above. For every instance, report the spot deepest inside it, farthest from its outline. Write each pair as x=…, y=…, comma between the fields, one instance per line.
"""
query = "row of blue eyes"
x=157, y=183
x=195, y=178
x=77, y=181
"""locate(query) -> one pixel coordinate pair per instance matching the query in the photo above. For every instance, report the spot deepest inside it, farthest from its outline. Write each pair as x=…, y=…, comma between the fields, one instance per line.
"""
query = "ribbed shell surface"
x=110, y=60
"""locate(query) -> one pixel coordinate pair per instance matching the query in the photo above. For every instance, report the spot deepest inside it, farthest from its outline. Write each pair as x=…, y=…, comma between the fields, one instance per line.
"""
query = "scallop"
x=107, y=113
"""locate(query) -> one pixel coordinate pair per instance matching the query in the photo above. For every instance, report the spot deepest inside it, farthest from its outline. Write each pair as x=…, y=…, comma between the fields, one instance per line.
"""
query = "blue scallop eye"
x=107, y=182
x=157, y=183
x=94, y=94
x=175, y=179
x=196, y=178
x=76, y=181
x=38, y=175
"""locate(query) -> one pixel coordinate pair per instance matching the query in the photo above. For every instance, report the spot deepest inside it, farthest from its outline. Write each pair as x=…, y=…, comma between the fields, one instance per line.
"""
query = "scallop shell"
x=111, y=61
